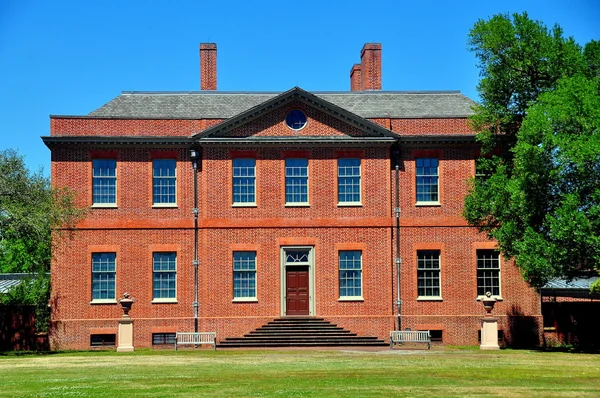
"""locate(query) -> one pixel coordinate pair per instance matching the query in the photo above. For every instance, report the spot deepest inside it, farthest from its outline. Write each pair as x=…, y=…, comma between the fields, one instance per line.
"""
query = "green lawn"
x=337, y=373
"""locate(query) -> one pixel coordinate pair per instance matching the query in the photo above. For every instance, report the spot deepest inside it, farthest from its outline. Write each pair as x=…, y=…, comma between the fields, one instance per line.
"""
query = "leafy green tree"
x=539, y=125
x=30, y=210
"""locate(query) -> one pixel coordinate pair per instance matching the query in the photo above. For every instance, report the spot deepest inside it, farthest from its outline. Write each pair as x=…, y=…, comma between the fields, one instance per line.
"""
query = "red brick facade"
x=134, y=229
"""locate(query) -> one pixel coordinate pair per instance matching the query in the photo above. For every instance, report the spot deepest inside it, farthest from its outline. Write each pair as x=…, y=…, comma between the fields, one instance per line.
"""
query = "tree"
x=30, y=210
x=539, y=126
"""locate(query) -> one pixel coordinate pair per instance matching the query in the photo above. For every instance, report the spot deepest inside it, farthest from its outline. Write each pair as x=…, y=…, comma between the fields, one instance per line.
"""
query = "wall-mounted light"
x=195, y=156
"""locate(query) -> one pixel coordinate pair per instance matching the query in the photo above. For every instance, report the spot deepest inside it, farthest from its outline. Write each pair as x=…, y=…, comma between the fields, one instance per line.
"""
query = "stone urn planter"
x=126, y=304
x=488, y=303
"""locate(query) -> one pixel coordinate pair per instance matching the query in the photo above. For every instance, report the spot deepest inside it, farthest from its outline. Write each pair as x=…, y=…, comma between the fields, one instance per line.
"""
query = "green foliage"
x=30, y=213
x=540, y=118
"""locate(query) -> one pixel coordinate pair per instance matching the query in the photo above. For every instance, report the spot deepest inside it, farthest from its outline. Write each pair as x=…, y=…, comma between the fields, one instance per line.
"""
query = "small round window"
x=295, y=119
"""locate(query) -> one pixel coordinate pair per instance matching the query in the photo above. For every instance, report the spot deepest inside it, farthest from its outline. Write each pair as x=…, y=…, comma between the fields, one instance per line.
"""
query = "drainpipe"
x=195, y=156
x=395, y=151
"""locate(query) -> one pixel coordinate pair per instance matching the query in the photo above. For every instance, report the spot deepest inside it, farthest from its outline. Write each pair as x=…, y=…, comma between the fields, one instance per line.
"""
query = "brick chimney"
x=370, y=62
x=208, y=66
x=355, y=78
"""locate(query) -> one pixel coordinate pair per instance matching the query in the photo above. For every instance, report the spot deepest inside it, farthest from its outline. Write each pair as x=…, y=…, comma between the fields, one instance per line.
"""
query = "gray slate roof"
x=9, y=280
x=581, y=283
x=224, y=105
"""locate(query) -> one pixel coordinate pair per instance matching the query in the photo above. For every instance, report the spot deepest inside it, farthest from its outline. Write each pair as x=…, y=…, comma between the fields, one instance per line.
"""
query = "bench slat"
x=410, y=336
x=196, y=338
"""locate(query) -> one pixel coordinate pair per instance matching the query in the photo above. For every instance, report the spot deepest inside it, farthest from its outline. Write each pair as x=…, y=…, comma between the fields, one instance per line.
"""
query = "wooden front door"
x=297, y=299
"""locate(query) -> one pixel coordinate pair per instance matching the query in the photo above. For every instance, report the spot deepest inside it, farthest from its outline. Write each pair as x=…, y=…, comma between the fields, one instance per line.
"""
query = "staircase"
x=300, y=332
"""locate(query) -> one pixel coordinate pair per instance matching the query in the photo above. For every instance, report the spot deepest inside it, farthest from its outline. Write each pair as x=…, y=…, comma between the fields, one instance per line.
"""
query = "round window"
x=295, y=119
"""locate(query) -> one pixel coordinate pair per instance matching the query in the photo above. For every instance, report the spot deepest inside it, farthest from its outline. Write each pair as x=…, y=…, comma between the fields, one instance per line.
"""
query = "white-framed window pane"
x=164, y=180
x=349, y=180
x=103, y=276
x=164, y=275
x=244, y=274
x=428, y=273
x=350, y=263
x=488, y=272
x=244, y=180
x=296, y=180
x=104, y=181
x=427, y=179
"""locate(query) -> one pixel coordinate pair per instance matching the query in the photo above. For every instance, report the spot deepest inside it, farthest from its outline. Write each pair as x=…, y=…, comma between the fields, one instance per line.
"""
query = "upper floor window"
x=164, y=276
x=104, y=276
x=348, y=181
x=428, y=273
x=488, y=272
x=104, y=181
x=350, y=262
x=244, y=181
x=427, y=180
x=296, y=181
x=164, y=181
x=244, y=275
x=295, y=119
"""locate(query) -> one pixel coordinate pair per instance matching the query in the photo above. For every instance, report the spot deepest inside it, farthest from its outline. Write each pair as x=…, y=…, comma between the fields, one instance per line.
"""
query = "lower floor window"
x=103, y=276
x=488, y=272
x=99, y=340
x=428, y=273
x=164, y=275
x=163, y=338
x=244, y=274
x=350, y=262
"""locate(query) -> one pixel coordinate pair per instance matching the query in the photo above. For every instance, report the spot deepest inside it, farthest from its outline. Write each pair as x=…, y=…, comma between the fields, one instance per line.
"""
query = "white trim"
x=165, y=300
x=164, y=205
x=297, y=204
x=244, y=300
x=430, y=298
x=104, y=206
x=498, y=298
x=311, y=277
x=428, y=204
x=242, y=204
x=351, y=298
x=349, y=204
x=104, y=301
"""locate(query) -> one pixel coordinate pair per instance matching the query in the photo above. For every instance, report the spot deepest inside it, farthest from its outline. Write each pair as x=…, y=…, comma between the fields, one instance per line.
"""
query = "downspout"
x=396, y=157
x=195, y=156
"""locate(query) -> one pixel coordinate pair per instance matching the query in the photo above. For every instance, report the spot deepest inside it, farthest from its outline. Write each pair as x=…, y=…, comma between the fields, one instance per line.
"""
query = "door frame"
x=311, y=277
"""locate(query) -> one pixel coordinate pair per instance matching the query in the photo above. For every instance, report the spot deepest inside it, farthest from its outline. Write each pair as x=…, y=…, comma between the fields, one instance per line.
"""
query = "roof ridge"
x=378, y=92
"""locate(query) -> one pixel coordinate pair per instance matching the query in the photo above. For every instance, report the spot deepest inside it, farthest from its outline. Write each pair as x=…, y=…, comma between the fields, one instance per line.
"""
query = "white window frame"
x=233, y=183
x=95, y=182
x=360, y=273
x=170, y=178
x=161, y=272
x=422, y=269
x=498, y=270
x=105, y=300
x=299, y=203
x=351, y=177
x=252, y=272
x=436, y=176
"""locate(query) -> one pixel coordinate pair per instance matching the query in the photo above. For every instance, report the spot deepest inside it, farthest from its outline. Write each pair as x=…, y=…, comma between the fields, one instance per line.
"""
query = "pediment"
x=270, y=120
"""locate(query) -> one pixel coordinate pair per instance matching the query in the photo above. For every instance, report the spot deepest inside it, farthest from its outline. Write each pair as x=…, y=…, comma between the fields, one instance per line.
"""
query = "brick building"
x=222, y=211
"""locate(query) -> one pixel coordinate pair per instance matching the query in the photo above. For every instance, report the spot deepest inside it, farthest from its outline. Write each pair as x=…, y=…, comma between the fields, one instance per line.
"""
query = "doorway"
x=297, y=277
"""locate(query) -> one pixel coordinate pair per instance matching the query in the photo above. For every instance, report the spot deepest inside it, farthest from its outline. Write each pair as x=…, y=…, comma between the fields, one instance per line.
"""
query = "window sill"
x=349, y=204
x=164, y=205
x=430, y=298
x=249, y=204
x=352, y=298
x=165, y=301
x=297, y=205
x=245, y=300
x=498, y=298
x=104, y=301
x=104, y=206
x=428, y=204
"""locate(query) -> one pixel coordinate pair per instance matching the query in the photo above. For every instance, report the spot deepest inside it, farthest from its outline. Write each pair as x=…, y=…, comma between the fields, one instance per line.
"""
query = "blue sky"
x=71, y=57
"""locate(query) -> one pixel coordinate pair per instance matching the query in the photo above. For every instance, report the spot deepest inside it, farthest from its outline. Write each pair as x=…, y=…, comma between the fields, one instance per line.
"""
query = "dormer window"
x=295, y=119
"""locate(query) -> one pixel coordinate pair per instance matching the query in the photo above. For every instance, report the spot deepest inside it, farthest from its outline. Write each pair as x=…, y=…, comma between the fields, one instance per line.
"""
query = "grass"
x=339, y=373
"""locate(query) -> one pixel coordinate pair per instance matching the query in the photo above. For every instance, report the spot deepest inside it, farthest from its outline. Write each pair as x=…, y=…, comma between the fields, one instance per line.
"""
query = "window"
x=163, y=181
x=244, y=181
x=103, y=276
x=295, y=119
x=104, y=181
x=244, y=275
x=350, y=273
x=103, y=340
x=163, y=338
x=427, y=180
x=296, y=181
x=488, y=272
x=164, y=276
x=349, y=181
x=428, y=273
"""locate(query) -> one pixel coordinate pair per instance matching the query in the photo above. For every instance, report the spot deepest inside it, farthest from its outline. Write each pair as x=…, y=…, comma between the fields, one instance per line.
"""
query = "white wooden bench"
x=410, y=336
x=191, y=338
